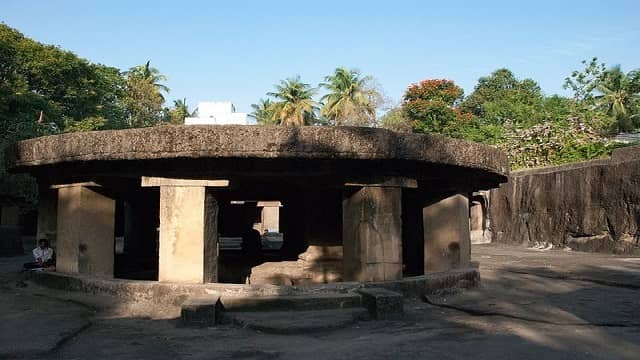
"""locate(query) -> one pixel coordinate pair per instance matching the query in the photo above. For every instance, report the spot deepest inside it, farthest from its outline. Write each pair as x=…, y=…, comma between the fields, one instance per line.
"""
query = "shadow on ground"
x=530, y=306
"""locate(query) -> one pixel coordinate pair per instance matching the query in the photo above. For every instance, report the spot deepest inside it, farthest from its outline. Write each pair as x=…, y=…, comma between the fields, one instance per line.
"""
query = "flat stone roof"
x=255, y=143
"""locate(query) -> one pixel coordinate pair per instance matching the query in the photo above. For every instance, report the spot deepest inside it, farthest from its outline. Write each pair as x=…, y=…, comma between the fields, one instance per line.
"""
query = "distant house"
x=216, y=113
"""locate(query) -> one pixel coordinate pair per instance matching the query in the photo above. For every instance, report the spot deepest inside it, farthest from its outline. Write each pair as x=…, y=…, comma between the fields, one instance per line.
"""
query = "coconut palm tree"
x=294, y=103
x=263, y=112
x=351, y=99
x=620, y=96
x=150, y=74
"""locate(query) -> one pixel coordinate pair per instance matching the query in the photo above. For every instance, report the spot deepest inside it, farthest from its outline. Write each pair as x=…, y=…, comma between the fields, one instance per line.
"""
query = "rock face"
x=317, y=265
x=588, y=206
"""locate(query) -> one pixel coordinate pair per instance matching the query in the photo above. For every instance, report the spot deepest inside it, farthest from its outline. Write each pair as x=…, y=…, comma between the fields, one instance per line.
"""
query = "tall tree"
x=501, y=97
x=619, y=95
x=351, y=100
x=179, y=112
x=263, y=112
x=431, y=106
x=294, y=103
x=44, y=89
x=143, y=102
x=608, y=99
x=150, y=74
x=143, y=95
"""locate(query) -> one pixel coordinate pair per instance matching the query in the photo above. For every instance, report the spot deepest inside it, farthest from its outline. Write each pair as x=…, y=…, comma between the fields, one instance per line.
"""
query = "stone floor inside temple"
x=532, y=304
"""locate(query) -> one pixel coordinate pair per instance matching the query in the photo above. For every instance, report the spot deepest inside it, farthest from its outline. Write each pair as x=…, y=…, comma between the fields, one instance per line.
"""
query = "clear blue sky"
x=237, y=50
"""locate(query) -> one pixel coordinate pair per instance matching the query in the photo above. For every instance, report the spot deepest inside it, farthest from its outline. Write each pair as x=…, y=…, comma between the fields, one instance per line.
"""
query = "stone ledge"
x=199, y=311
x=382, y=304
x=176, y=294
x=256, y=142
x=291, y=302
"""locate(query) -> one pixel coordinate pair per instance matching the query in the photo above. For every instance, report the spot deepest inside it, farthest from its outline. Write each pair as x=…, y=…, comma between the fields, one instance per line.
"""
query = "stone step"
x=317, y=301
x=297, y=322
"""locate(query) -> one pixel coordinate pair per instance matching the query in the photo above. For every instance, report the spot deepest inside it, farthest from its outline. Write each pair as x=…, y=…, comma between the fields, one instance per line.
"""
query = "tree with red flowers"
x=431, y=106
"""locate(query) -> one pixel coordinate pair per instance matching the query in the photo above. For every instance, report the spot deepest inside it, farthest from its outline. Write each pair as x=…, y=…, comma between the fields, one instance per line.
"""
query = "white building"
x=216, y=113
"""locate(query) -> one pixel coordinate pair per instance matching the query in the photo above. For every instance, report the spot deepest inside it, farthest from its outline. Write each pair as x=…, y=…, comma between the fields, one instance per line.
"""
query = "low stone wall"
x=587, y=206
x=175, y=294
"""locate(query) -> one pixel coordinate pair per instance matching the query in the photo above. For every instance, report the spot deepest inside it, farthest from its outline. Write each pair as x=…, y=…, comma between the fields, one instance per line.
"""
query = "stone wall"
x=586, y=206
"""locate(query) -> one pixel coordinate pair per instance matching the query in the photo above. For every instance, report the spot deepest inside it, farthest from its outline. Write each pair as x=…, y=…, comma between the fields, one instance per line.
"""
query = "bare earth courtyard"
x=530, y=305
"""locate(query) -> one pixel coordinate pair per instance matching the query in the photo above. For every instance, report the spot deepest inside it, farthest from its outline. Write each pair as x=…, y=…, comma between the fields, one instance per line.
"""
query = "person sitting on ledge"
x=44, y=257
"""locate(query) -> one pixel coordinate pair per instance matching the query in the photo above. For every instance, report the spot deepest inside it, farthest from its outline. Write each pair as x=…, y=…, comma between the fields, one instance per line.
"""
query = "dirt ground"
x=531, y=305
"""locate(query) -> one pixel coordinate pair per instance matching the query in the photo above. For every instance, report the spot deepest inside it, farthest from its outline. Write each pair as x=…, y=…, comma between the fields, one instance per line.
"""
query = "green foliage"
x=552, y=143
x=395, y=120
x=430, y=106
x=294, y=103
x=72, y=94
x=178, y=113
x=143, y=96
x=619, y=97
x=501, y=97
x=608, y=99
x=91, y=123
x=352, y=98
x=143, y=103
x=263, y=112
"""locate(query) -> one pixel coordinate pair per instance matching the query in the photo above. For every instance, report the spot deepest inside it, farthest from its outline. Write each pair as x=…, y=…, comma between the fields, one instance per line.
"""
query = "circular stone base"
x=176, y=294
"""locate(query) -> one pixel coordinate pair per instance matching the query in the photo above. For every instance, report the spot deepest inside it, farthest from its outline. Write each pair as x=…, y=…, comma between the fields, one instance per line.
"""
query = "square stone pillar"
x=446, y=234
x=85, y=231
x=188, y=235
x=372, y=233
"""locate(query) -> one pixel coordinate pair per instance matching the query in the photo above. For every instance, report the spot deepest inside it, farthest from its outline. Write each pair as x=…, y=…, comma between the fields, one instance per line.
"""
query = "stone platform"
x=176, y=294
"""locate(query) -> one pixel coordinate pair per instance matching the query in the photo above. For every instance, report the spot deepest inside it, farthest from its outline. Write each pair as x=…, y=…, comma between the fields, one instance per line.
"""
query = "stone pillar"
x=188, y=235
x=372, y=233
x=85, y=227
x=446, y=234
x=47, y=215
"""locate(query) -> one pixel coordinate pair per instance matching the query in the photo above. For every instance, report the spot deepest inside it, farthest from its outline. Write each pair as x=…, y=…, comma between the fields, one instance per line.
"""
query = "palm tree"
x=619, y=95
x=179, y=112
x=294, y=103
x=181, y=106
x=351, y=98
x=263, y=112
x=150, y=74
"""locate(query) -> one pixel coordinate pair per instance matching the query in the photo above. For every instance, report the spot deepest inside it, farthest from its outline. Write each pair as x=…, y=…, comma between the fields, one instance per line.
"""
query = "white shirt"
x=45, y=254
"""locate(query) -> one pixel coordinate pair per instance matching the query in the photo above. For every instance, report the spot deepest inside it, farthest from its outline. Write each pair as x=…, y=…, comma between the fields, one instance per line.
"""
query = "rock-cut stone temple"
x=181, y=204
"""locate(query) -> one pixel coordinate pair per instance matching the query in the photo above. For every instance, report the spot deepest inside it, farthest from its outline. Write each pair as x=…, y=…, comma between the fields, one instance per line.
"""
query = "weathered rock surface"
x=588, y=206
x=317, y=265
x=163, y=150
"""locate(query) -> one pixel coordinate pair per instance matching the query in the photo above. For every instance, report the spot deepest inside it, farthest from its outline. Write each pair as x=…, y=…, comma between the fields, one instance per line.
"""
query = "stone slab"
x=298, y=322
x=382, y=304
x=147, y=181
x=199, y=311
x=175, y=293
x=247, y=143
x=290, y=302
